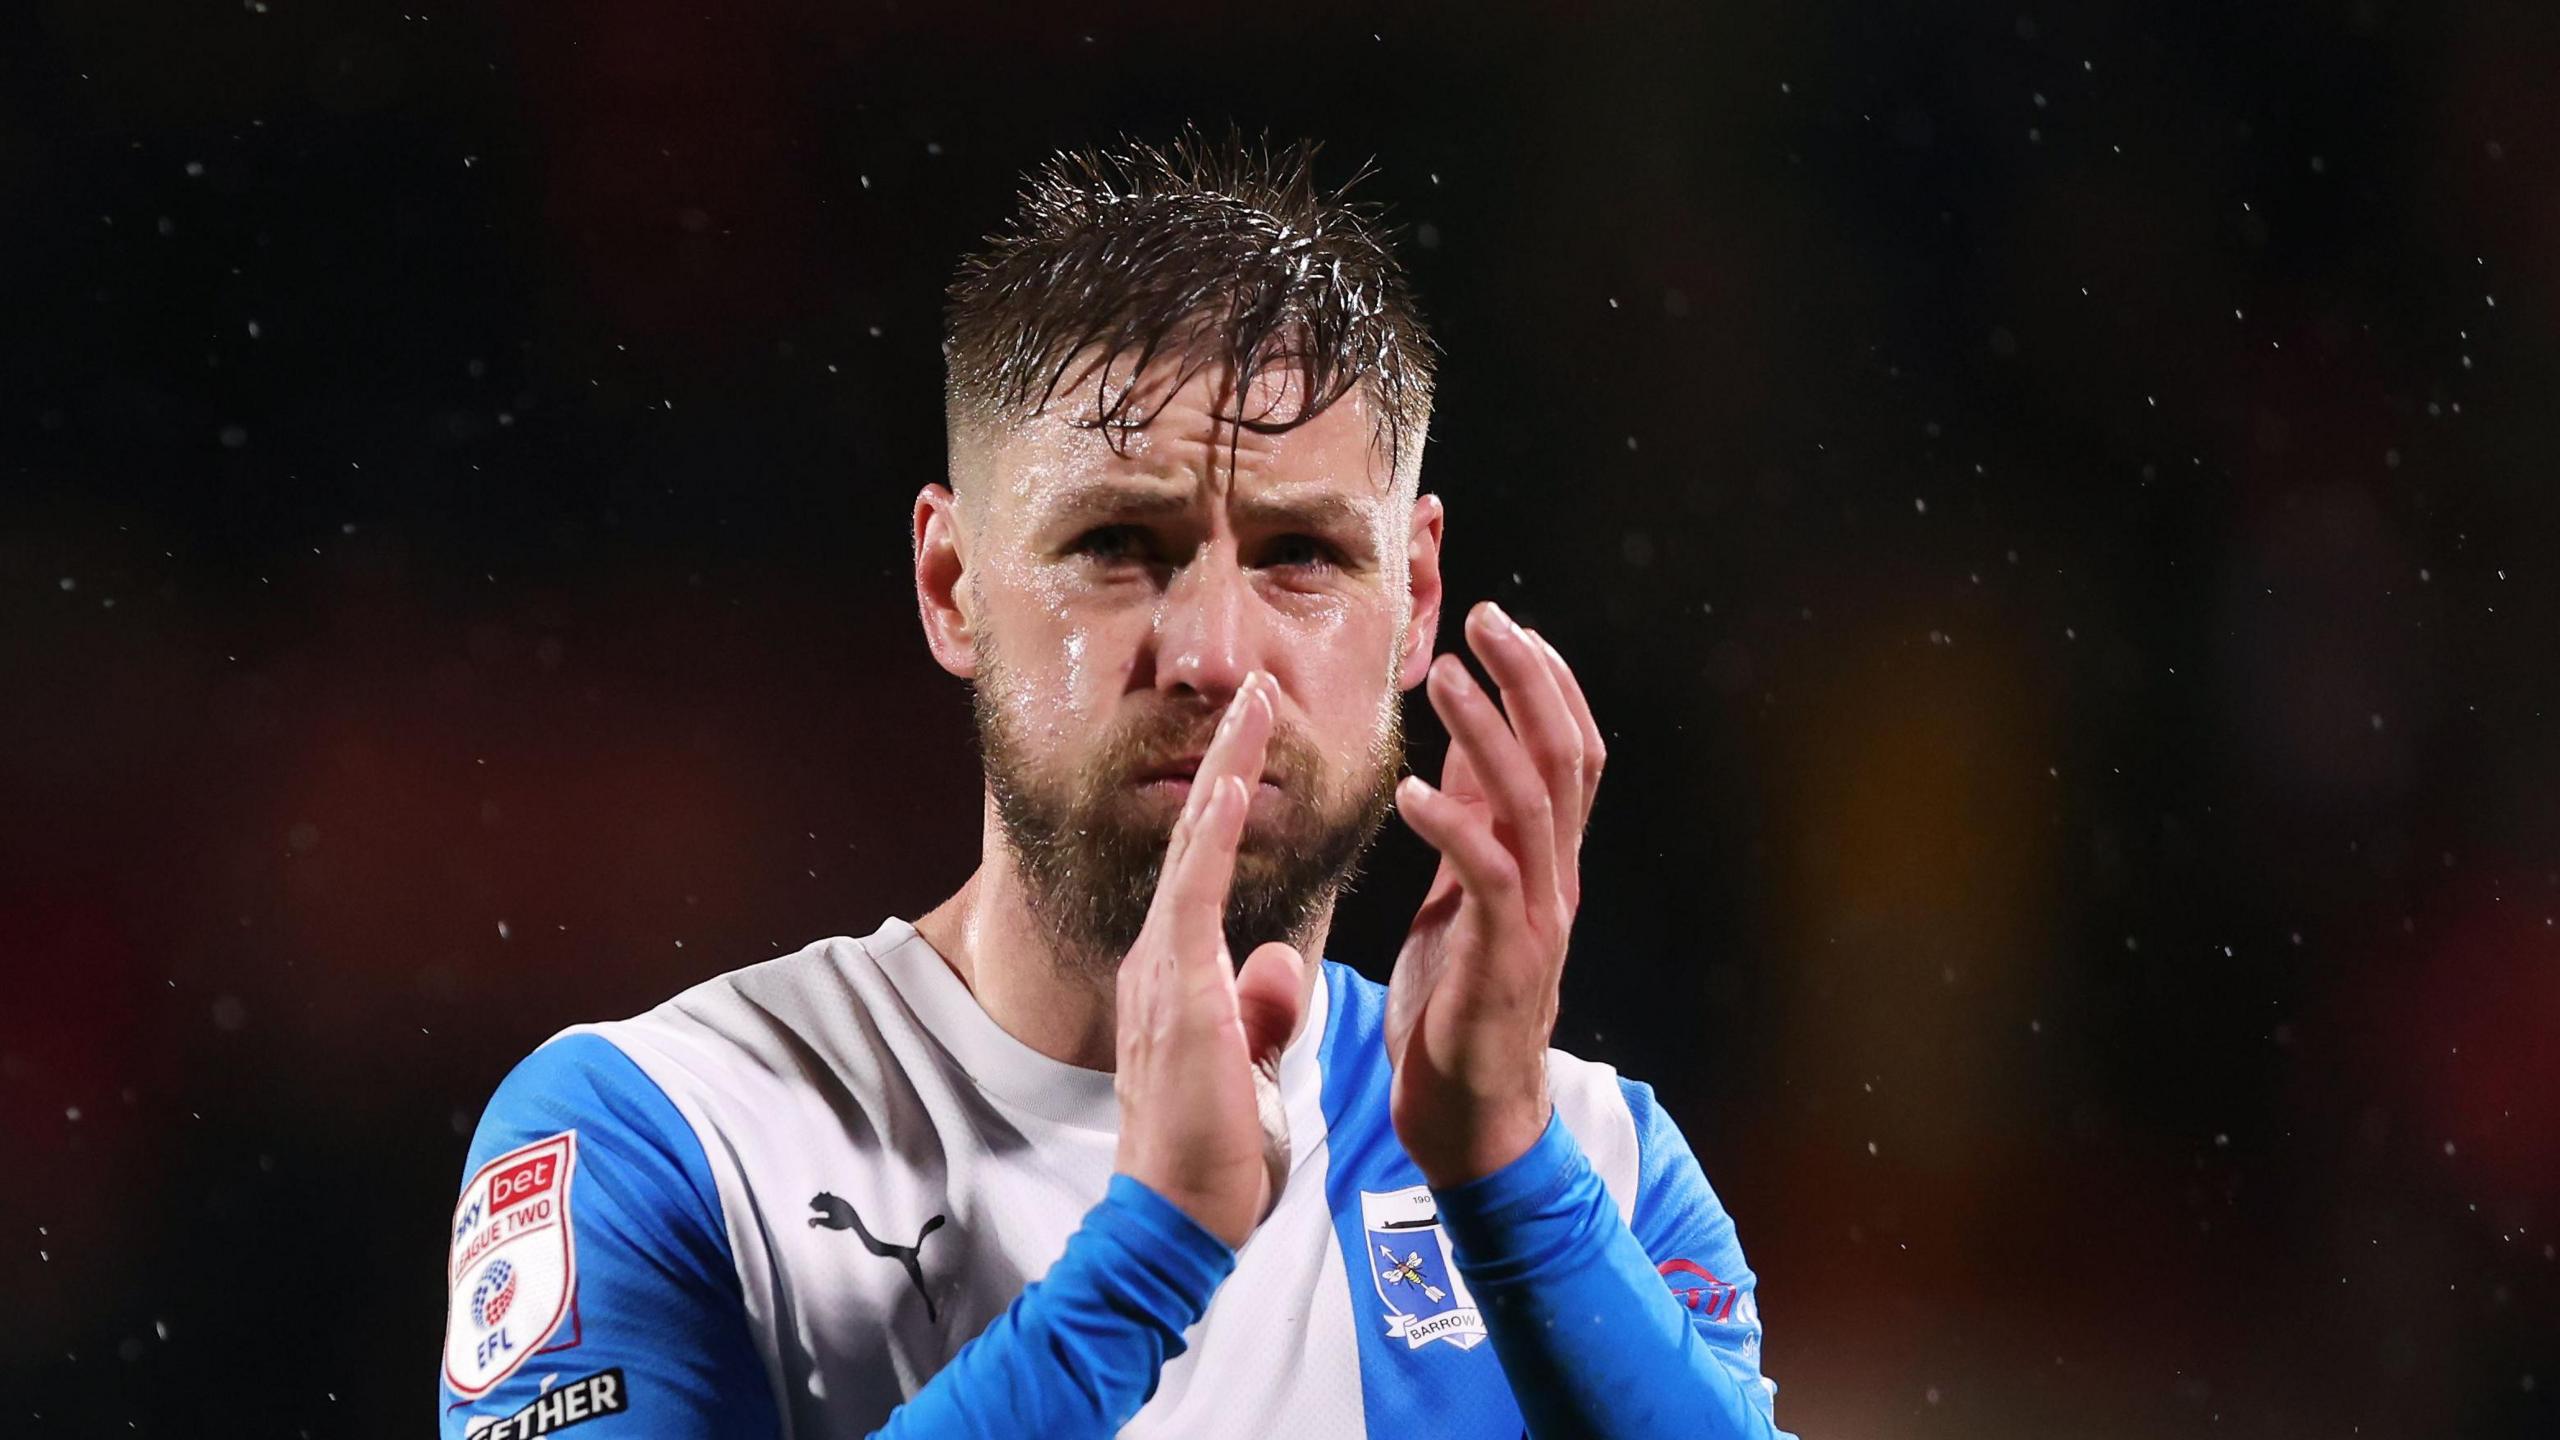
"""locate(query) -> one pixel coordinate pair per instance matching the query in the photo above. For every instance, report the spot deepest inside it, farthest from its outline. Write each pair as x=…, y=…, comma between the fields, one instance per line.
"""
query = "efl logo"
x=1710, y=1296
x=495, y=1292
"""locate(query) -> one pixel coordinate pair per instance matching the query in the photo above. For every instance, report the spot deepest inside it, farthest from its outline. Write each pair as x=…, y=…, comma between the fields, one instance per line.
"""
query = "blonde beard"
x=1088, y=869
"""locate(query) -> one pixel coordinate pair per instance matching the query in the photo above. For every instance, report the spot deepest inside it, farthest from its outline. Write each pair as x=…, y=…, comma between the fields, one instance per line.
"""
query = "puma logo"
x=835, y=1214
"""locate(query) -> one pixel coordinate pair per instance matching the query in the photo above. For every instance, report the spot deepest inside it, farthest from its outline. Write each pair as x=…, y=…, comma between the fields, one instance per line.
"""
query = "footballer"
x=1103, y=1143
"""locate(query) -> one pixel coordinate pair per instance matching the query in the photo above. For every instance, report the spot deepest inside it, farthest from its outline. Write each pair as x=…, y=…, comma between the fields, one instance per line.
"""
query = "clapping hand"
x=1471, y=1006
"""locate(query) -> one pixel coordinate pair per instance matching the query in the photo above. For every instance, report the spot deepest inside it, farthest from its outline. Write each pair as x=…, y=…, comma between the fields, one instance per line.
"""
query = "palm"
x=1445, y=925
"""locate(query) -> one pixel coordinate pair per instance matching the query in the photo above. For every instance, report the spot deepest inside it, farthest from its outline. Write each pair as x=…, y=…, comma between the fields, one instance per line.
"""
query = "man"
x=1047, y=1161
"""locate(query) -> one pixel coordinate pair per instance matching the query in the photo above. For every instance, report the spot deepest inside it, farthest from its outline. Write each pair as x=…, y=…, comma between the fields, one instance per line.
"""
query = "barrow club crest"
x=1409, y=1262
x=513, y=1268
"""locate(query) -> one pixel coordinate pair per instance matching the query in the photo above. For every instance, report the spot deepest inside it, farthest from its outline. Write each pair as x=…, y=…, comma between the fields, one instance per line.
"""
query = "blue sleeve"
x=1591, y=1337
x=590, y=1280
x=1081, y=1348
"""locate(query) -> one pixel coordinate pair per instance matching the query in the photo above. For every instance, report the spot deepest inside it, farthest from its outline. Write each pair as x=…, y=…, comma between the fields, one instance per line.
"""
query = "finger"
x=1180, y=841
x=1270, y=993
x=1458, y=775
x=1593, y=754
x=1518, y=663
x=1178, y=845
x=1514, y=791
x=1201, y=789
x=1463, y=834
x=1193, y=885
x=1269, y=997
x=1595, y=751
x=1191, y=906
x=1243, y=736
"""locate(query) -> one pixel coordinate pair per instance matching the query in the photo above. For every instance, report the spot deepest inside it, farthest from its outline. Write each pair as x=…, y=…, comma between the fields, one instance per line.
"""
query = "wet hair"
x=1216, y=252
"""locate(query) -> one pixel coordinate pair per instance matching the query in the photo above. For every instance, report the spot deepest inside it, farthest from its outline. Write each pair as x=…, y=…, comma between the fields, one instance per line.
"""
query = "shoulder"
x=632, y=1163
x=637, y=1095
x=798, y=992
x=589, y=1236
x=585, y=1194
x=751, y=1034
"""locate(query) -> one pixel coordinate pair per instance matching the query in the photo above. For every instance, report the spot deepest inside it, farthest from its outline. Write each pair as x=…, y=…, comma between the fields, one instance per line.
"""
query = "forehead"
x=1188, y=441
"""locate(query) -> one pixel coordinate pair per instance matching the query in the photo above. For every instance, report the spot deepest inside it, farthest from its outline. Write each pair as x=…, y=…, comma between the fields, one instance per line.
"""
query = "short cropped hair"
x=1214, y=252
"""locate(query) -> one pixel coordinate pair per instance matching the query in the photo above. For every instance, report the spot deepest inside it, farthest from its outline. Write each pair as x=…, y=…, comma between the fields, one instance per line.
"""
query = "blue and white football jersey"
x=780, y=1203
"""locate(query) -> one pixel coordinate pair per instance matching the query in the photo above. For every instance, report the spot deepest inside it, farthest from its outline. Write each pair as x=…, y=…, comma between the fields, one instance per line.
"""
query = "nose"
x=1207, y=635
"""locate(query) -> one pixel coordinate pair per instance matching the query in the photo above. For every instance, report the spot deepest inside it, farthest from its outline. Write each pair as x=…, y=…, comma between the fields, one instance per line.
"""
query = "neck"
x=986, y=933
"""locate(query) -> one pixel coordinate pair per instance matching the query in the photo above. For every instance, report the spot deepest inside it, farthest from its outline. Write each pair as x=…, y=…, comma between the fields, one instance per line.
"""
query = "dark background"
x=2052, y=505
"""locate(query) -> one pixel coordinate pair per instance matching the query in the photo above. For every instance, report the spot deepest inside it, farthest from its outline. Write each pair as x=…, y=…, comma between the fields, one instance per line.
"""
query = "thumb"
x=1269, y=1003
x=1270, y=996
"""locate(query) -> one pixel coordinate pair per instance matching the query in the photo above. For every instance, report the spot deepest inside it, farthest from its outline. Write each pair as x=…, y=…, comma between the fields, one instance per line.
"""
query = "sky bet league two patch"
x=513, y=1268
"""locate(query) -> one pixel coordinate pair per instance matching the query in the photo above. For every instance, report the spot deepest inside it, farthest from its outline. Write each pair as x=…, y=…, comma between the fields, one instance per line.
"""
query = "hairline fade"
x=1207, y=253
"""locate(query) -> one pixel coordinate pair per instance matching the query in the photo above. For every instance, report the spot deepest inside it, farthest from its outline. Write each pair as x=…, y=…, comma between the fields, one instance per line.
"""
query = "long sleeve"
x=589, y=1281
x=1597, y=1336
x=1081, y=1348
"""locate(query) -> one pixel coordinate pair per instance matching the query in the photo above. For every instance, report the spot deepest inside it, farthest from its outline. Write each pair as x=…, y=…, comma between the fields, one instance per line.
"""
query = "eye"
x=1291, y=551
x=1107, y=543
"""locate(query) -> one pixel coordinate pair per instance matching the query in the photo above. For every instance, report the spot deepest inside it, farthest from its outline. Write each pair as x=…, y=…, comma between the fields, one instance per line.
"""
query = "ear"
x=942, y=589
x=1422, y=580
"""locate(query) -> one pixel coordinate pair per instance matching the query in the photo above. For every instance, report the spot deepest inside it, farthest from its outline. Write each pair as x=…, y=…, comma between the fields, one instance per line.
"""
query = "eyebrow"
x=1318, y=511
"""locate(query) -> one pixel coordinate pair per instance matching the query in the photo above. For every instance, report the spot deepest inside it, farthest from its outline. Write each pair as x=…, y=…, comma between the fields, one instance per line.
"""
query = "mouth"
x=1175, y=778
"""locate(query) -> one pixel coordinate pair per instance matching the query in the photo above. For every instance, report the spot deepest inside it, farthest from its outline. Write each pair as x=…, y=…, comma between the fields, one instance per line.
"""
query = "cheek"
x=1072, y=663
x=1343, y=683
x=1336, y=636
x=1092, y=659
